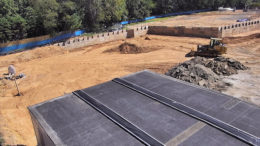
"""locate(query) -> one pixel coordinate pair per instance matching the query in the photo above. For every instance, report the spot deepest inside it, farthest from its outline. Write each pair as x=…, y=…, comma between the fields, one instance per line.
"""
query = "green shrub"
x=255, y=5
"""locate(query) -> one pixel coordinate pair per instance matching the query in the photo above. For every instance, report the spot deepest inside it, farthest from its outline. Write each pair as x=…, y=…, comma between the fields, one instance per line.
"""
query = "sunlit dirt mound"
x=28, y=55
x=128, y=48
x=236, y=40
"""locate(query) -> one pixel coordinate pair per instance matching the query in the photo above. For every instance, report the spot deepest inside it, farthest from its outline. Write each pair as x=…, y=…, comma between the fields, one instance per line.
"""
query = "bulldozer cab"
x=215, y=42
x=214, y=49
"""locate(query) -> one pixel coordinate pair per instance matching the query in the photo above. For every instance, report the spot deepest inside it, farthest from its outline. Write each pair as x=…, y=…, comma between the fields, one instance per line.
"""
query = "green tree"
x=114, y=11
x=91, y=13
x=165, y=6
x=69, y=18
x=139, y=8
x=26, y=10
x=231, y=3
x=246, y=3
x=33, y=21
x=47, y=12
x=12, y=25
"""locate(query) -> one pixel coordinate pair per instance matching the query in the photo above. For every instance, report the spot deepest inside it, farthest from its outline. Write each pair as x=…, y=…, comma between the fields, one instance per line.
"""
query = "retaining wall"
x=103, y=38
x=206, y=32
x=242, y=27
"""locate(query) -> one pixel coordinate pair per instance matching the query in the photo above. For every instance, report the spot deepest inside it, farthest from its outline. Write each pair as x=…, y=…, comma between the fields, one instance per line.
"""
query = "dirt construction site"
x=53, y=71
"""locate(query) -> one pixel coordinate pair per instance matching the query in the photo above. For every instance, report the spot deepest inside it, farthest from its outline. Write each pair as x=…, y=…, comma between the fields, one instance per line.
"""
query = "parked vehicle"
x=115, y=27
x=225, y=9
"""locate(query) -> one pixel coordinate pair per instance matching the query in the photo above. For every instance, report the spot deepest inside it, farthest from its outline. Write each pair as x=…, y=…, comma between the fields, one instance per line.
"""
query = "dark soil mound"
x=206, y=72
x=127, y=48
x=147, y=38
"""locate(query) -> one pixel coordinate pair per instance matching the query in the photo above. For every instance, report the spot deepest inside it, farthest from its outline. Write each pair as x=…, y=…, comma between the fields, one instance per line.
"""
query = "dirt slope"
x=57, y=74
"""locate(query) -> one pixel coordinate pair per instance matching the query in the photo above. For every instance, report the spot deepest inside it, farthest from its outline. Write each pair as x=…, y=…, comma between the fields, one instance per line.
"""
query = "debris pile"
x=207, y=72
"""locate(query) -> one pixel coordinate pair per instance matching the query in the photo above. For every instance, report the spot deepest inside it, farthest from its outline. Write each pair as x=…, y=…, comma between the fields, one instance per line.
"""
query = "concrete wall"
x=242, y=27
x=205, y=32
x=140, y=31
x=103, y=38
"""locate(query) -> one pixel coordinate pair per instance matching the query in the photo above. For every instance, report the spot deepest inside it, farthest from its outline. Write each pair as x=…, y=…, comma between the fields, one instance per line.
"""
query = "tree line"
x=29, y=18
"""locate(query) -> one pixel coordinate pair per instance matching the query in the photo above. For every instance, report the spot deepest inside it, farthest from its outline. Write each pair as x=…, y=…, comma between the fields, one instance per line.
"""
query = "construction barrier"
x=13, y=48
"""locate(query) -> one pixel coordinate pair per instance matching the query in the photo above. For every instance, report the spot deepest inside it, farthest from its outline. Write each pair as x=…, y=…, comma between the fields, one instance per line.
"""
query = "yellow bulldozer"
x=214, y=49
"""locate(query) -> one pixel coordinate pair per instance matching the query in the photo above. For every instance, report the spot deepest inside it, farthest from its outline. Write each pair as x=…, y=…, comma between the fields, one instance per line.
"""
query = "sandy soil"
x=207, y=19
x=246, y=84
x=49, y=75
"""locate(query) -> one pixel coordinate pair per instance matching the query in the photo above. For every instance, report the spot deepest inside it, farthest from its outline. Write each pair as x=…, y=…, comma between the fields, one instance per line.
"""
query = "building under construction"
x=146, y=109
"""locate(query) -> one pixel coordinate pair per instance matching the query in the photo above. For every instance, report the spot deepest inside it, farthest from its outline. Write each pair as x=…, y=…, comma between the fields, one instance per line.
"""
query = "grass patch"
x=152, y=20
x=88, y=34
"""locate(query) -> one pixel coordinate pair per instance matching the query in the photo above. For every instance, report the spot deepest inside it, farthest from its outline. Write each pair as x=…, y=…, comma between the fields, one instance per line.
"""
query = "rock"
x=206, y=72
x=147, y=38
x=202, y=82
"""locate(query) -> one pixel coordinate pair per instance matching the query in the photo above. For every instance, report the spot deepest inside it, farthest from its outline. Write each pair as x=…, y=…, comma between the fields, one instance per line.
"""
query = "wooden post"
x=17, y=87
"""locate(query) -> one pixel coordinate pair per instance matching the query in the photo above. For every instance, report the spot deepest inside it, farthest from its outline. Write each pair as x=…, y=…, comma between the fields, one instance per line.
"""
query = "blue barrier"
x=165, y=15
x=13, y=48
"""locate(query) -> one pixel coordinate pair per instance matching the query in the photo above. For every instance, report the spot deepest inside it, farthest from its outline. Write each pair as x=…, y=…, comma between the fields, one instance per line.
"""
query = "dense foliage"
x=28, y=18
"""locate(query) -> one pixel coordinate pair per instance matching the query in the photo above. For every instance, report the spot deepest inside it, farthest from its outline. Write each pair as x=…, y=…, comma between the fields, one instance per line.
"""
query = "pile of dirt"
x=129, y=48
x=207, y=72
x=147, y=38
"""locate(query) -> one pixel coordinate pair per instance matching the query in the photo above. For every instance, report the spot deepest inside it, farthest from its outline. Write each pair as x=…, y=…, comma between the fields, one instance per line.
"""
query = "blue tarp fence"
x=13, y=48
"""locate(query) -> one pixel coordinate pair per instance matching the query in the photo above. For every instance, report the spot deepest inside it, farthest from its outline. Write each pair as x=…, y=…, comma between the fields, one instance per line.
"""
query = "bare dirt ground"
x=55, y=74
x=50, y=76
x=52, y=72
x=246, y=84
x=207, y=19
